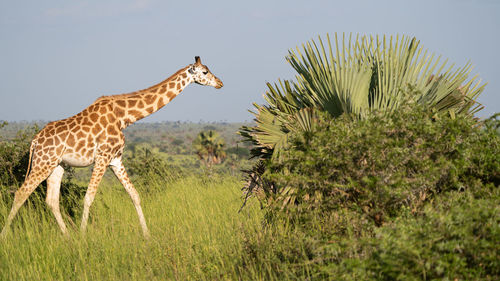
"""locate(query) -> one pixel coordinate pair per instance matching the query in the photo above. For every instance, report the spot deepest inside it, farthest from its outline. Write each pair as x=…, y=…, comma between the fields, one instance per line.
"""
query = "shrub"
x=399, y=196
x=456, y=237
x=14, y=154
x=378, y=165
x=146, y=166
x=356, y=75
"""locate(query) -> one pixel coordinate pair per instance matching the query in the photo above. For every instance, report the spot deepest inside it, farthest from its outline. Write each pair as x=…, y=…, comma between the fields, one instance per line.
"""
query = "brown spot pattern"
x=102, y=110
x=76, y=129
x=137, y=114
x=119, y=112
x=170, y=95
x=96, y=129
x=103, y=121
x=113, y=140
x=94, y=116
x=71, y=140
x=111, y=118
x=120, y=103
x=131, y=103
x=160, y=103
x=80, y=145
x=64, y=135
x=149, y=99
x=112, y=130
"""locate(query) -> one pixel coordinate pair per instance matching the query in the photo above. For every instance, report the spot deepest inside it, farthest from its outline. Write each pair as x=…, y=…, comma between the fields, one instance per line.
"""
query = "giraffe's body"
x=94, y=136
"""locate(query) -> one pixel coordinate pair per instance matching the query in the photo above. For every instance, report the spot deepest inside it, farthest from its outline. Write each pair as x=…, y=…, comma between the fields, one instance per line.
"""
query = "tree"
x=359, y=75
x=209, y=146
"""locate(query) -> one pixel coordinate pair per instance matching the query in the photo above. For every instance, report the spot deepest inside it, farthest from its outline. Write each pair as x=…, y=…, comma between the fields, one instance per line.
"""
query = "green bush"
x=378, y=165
x=393, y=197
x=14, y=154
x=455, y=237
x=146, y=166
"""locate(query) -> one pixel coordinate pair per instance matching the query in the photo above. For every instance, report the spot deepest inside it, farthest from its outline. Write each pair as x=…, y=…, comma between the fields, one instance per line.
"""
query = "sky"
x=57, y=57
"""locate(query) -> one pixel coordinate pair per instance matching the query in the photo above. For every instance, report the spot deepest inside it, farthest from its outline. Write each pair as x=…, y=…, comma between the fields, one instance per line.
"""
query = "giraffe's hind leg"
x=37, y=174
x=53, y=191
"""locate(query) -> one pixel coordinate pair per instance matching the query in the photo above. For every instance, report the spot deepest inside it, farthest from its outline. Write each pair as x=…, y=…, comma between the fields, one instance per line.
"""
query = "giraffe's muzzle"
x=219, y=84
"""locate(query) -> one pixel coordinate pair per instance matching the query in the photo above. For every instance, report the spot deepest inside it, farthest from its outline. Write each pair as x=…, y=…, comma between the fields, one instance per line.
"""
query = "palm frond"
x=357, y=75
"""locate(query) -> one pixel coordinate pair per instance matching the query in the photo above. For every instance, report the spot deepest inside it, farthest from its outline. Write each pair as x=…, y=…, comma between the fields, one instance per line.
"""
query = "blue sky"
x=57, y=57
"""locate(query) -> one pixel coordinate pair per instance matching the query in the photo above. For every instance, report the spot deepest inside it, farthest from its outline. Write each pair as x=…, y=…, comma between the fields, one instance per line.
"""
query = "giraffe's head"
x=202, y=75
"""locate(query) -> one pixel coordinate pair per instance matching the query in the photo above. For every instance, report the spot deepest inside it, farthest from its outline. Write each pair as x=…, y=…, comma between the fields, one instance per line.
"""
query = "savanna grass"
x=197, y=234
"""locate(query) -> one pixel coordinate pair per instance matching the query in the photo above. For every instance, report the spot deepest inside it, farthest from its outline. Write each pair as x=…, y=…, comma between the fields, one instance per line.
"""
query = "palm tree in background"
x=209, y=146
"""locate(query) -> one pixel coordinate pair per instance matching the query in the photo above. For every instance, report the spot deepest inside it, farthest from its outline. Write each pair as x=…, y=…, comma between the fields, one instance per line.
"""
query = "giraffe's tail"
x=32, y=148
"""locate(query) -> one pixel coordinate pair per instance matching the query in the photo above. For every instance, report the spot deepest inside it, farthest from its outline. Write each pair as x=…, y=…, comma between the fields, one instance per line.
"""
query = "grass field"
x=197, y=234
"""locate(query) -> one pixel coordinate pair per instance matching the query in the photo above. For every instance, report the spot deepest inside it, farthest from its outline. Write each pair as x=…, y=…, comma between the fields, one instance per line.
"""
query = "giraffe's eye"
x=205, y=72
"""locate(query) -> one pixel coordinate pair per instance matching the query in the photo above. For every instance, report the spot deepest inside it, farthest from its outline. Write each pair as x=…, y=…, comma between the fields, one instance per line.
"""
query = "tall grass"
x=197, y=234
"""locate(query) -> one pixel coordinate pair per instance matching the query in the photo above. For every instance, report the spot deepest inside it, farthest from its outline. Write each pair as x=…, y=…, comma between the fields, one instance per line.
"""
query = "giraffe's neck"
x=135, y=106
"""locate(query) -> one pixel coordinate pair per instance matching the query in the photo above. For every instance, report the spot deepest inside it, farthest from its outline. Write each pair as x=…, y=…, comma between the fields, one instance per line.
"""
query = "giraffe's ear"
x=197, y=60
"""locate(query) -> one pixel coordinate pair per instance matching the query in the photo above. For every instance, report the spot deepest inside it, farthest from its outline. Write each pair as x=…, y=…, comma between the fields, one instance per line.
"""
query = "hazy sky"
x=57, y=57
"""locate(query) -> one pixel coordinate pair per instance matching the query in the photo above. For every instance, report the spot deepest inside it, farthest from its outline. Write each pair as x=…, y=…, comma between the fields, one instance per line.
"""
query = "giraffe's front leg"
x=101, y=163
x=121, y=174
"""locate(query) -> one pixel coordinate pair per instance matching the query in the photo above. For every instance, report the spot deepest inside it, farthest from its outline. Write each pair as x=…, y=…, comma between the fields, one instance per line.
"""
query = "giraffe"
x=95, y=136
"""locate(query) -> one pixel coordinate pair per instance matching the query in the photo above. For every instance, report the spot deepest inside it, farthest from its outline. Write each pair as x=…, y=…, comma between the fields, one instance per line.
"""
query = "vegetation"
x=209, y=147
x=455, y=236
x=376, y=166
x=145, y=166
x=369, y=167
x=357, y=76
x=14, y=155
x=429, y=188
x=195, y=227
x=374, y=161
x=450, y=229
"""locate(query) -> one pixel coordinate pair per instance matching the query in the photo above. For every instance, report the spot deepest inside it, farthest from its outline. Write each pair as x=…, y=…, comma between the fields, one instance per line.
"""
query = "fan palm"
x=356, y=76
x=209, y=146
